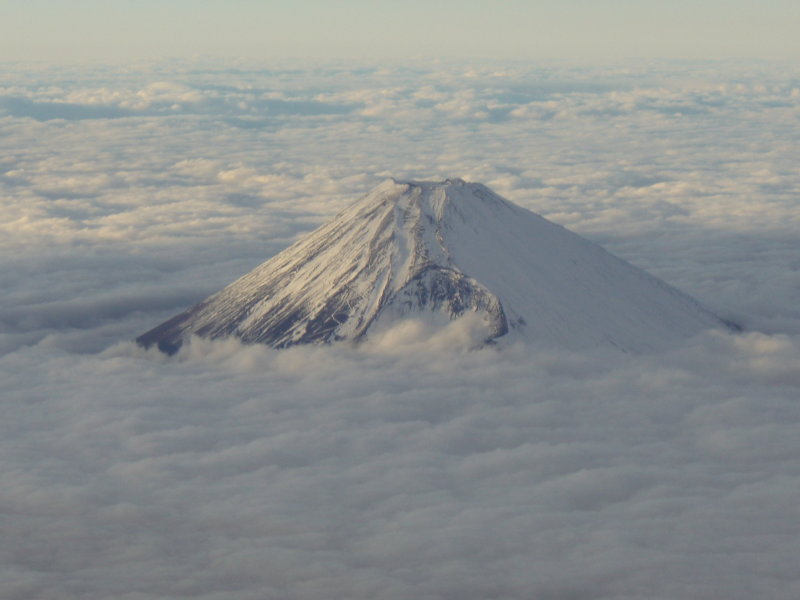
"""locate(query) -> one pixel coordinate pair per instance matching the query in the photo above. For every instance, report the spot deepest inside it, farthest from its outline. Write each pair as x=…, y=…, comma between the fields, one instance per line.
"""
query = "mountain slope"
x=443, y=249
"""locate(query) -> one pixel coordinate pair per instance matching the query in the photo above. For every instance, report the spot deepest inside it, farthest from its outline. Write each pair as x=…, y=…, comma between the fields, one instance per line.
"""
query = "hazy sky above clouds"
x=588, y=30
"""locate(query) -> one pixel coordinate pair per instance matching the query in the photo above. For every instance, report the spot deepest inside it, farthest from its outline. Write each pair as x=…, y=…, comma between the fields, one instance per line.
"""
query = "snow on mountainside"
x=440, y=250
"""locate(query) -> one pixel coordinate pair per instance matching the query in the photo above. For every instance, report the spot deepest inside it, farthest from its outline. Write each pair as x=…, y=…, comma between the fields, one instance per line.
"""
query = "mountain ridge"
x=410, y=248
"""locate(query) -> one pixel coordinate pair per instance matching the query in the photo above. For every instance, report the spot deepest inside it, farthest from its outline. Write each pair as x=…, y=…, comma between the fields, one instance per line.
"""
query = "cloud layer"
x=404, y=468
x=244, y=472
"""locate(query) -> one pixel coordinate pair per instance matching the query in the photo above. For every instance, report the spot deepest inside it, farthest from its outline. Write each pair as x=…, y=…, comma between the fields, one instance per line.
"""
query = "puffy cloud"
x=400, y=468
x=237, y=471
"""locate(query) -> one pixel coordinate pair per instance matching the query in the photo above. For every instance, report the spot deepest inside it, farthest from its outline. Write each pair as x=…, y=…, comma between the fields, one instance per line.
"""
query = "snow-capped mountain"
x=439, y=251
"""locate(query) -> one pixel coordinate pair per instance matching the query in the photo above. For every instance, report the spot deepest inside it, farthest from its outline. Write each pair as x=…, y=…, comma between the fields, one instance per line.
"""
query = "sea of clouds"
x=408, y=467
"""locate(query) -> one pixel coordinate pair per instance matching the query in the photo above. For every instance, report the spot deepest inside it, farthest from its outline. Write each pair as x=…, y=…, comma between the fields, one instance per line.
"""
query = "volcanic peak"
x=437, y=251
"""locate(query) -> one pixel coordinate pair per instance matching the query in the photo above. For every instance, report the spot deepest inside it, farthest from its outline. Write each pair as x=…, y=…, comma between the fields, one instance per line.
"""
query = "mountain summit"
x=439, y=251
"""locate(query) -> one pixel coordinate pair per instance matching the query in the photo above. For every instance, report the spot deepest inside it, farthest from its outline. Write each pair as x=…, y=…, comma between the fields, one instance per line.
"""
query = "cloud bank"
x=403, y=468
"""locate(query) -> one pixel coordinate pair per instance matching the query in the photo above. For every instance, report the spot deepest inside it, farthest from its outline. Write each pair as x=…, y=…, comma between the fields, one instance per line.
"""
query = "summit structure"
x=440, y=251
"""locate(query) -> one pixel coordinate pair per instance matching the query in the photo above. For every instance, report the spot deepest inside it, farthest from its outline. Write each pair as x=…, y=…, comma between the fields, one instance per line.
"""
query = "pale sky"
x=569, y=29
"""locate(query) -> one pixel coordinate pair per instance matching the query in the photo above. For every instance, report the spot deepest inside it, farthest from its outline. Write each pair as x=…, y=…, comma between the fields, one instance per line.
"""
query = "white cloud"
x=323, y=469
x=398, y=469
